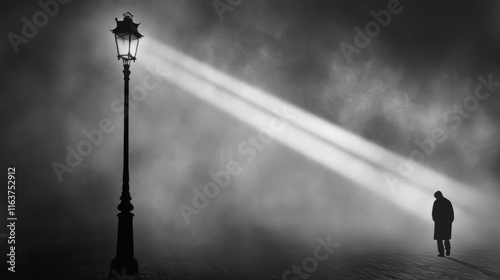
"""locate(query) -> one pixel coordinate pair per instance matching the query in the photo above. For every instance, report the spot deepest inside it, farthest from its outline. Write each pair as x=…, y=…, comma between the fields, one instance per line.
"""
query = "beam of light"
x=350, y=155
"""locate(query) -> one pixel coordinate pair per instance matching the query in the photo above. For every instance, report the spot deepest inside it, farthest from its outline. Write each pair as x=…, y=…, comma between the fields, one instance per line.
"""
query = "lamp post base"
x=124, y=264
x=123, y=268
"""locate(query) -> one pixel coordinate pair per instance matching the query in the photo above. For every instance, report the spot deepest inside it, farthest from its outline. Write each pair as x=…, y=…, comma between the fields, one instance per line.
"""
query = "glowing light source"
x=127, y=38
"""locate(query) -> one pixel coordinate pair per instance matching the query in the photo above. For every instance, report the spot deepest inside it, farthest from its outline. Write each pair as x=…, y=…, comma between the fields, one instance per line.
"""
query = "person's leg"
x=447, y=246
x=440, y=247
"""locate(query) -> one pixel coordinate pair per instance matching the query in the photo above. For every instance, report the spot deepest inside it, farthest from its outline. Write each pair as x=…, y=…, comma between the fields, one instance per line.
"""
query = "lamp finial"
x=128, y=14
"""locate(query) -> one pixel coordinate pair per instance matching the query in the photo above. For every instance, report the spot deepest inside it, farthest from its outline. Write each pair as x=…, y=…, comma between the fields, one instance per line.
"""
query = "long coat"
x=442, y=214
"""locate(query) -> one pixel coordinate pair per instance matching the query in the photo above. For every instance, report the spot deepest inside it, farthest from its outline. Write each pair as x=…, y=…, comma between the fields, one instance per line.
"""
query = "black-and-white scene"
x=250, y=139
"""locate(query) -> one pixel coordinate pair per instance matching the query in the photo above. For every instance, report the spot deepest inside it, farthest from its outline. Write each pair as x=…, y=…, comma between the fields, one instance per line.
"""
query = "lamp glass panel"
x=122, y=44
x=134, y=45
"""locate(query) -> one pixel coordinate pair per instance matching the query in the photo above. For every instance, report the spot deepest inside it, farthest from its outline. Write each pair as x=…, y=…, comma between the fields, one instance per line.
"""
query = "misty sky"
x=65, y=79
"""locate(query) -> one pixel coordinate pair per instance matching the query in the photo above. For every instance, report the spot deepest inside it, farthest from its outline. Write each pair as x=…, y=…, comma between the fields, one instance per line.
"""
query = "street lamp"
x=127, y=41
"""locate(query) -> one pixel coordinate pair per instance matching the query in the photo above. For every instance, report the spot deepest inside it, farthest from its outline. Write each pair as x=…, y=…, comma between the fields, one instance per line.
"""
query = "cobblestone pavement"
x=351, y=262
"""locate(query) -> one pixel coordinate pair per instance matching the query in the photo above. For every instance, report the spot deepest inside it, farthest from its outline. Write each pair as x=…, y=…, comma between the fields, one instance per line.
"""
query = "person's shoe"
x=440, y=255
x=447, y=252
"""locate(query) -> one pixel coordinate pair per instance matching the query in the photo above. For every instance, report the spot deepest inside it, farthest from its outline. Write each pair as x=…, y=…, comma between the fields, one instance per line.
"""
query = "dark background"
x=395, y=90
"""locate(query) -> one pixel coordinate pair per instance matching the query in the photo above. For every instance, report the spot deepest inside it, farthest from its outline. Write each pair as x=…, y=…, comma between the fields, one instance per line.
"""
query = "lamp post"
x=127, y=41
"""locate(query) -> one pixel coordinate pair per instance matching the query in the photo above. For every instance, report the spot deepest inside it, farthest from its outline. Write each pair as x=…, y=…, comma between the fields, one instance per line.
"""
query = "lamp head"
x=127, y=38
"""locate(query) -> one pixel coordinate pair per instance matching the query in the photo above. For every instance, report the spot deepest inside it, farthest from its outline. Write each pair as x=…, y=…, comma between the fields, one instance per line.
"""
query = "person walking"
x=443, y=216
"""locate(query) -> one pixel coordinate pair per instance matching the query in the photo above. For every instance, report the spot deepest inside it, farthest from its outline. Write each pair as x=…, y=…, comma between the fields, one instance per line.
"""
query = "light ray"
x=350, y=155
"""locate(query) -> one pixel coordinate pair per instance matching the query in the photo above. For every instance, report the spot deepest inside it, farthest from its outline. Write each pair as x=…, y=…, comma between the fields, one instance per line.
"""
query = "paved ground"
x=351, y=261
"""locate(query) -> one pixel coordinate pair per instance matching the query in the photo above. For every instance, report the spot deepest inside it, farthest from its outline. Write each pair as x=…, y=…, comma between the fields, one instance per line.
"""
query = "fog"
x=405, y=84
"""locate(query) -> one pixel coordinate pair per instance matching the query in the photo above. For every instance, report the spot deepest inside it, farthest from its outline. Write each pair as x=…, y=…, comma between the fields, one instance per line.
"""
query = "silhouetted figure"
x=442, y=214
